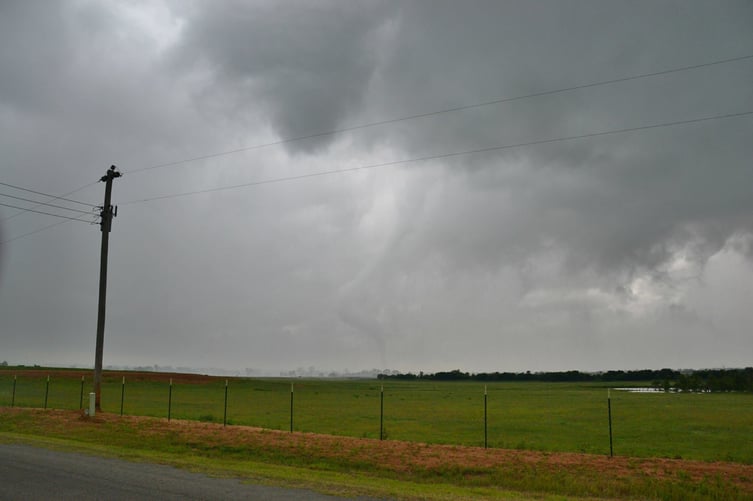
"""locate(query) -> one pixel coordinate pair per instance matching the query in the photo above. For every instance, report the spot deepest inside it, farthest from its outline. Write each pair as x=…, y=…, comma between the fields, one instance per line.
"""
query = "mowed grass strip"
x=556, y=417
x=404, y=470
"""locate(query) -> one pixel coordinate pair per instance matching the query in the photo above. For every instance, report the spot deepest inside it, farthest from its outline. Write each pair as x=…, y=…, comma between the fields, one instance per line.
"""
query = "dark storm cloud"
x=626, y=201
x=317, y=67
x=538, y=257
x=307, y=65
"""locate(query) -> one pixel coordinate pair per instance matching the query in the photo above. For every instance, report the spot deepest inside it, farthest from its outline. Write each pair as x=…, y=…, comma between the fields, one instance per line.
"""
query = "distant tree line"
x=550, y=377
x=714, y=380
x=667, y=379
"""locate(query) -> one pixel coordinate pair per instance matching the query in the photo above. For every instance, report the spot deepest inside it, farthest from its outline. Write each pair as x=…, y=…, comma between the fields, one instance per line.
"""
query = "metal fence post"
x=609, y=411
x=486, y=427
x=291, y=407
x=381, y=414
x=122, y=395
x=170, y=400
x=81, y=396
x=224, y=417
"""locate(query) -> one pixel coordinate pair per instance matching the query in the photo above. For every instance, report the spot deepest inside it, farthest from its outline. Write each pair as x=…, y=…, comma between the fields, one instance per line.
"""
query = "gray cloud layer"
x=579, y=254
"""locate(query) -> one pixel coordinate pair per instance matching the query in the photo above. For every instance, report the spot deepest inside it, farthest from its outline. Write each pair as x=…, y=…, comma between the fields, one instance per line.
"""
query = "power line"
x=65, y=220
x=385, y=122
x=384, y=164
x=443, y=155
x=61, y=197
x=443, y=111
x=42, y=212
x=51, y=198
x=44, y=203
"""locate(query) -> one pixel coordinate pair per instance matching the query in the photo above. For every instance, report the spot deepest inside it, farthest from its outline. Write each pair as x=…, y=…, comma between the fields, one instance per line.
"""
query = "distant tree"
x=4, y=364
x=664, y=379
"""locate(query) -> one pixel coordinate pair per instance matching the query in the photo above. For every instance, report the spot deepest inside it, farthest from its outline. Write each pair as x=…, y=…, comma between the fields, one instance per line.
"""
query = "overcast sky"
x=616, y=251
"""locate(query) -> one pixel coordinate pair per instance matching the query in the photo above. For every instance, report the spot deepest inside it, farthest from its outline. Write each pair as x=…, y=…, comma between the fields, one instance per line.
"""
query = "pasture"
x=550, y=417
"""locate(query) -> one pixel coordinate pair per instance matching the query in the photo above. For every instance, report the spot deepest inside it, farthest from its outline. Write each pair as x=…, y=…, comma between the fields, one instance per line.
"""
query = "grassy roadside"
x=326, y=482
x=391, y=469
x=336, y=483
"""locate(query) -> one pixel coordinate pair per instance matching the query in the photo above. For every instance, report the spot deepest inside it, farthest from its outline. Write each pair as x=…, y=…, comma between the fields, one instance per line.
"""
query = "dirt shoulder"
x=585, y=474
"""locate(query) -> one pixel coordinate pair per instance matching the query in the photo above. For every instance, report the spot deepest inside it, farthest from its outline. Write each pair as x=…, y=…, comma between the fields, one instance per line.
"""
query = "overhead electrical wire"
x=443, y=111
x=42, y=212
x=45, y=203
x=442, y=155
x=53, y=197
x=405, y=118
x=385, y=122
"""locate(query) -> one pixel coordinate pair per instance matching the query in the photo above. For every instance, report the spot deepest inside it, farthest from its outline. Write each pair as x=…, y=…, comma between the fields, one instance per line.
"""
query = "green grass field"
x=565, y=417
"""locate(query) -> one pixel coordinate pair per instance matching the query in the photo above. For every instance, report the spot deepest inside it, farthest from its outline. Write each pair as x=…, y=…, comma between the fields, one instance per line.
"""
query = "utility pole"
x=107, y=213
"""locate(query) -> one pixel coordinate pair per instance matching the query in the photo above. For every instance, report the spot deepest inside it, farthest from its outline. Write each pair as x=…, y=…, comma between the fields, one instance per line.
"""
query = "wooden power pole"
x=107, y=213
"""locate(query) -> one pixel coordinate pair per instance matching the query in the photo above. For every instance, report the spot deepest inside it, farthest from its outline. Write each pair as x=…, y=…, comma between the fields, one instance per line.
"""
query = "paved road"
x=30, y=473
